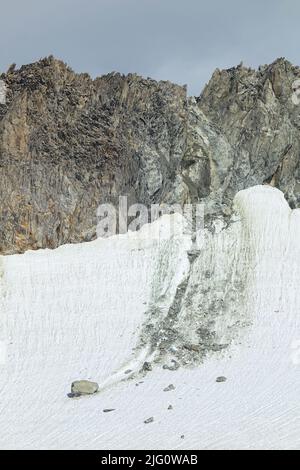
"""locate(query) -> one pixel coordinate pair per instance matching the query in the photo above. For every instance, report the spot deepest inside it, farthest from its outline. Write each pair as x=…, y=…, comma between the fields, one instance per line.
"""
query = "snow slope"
x=80, y=312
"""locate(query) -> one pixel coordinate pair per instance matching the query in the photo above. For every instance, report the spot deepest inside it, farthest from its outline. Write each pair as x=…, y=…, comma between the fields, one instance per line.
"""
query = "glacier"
x=99, y=309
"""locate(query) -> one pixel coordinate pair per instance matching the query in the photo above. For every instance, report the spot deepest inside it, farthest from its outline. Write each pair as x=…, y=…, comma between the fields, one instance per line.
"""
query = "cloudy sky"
x=178, y=40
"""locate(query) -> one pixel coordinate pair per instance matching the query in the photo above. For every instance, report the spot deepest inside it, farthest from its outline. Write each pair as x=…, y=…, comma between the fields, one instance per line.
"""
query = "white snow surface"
x=76, y=313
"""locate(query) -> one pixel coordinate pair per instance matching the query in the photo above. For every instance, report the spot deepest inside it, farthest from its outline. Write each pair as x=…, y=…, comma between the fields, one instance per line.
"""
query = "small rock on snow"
x=169, y=387
x=221, y=379
x=147, y=366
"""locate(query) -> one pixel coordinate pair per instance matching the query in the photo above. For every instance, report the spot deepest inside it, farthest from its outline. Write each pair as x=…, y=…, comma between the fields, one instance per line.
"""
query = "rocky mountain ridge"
x=69, y=143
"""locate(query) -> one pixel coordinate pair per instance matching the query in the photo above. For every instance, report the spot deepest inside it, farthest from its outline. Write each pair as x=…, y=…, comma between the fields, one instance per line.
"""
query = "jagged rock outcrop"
x=256, y=114
x=69, y=143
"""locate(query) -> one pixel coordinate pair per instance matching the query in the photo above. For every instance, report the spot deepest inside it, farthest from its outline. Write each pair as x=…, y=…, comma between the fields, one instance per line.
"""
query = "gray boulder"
x=84, y=387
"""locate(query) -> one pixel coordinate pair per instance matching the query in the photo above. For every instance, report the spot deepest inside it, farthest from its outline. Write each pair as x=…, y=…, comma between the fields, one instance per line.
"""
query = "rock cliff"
x=69, y=143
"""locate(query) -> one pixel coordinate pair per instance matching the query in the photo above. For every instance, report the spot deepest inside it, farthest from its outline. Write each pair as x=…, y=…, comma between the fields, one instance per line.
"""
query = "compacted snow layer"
x=78, y=312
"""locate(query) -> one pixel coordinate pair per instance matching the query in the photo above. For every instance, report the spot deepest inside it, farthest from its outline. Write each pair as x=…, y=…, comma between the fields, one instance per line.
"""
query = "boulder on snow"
x=84, y=387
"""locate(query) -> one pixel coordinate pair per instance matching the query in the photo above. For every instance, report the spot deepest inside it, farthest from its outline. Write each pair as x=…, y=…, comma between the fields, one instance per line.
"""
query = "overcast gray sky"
x=177, y=40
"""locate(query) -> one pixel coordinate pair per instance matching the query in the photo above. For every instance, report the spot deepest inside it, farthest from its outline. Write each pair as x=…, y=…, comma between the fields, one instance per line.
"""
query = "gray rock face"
x=69, y=143
x=257, y=115
x=84, y=387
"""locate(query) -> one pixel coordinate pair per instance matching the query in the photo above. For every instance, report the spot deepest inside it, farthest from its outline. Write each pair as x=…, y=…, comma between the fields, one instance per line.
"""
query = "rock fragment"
x=83, y=387
x=149, y=420
x=147, y=366
x=192, y=347
x=221, y=379
x=169, y=387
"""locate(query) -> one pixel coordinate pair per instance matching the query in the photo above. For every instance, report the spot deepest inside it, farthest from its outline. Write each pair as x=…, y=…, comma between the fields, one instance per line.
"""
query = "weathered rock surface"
x=69, y=143
x=256, y=114
x=84, y=387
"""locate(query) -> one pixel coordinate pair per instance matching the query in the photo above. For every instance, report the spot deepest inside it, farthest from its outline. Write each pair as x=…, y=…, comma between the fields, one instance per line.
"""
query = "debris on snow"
x=174, y=366
x=147, y=366
x=83, y=387
x=149, y=420
x=221, y=379
x=169, y=387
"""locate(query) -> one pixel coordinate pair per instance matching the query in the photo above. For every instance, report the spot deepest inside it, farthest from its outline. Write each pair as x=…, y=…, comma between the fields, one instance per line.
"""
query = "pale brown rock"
x=84, y=387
